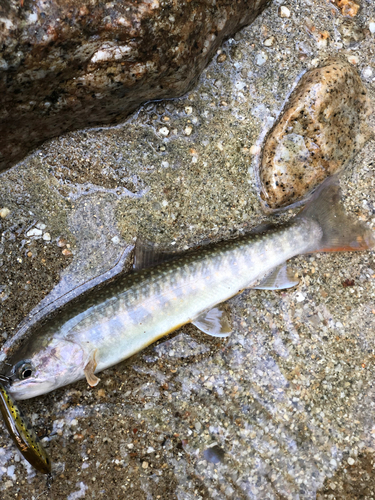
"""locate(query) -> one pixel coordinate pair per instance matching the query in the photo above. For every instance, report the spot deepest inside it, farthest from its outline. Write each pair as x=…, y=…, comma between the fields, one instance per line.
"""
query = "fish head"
x=35, y=371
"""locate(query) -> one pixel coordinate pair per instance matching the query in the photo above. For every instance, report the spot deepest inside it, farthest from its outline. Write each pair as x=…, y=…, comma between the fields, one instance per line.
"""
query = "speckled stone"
x=66, y=65
x=323, y=126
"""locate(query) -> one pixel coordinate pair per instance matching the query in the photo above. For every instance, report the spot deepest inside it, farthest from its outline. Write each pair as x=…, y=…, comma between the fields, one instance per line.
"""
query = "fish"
x=125, y=316
x=22, y=433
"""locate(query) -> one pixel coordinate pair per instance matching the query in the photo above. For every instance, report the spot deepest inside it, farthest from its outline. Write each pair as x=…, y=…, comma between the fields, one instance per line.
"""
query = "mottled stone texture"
x=66, y=64
x=322, y=127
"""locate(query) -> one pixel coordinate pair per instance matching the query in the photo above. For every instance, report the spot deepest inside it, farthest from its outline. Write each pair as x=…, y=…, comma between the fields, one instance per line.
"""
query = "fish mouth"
x=26, y=389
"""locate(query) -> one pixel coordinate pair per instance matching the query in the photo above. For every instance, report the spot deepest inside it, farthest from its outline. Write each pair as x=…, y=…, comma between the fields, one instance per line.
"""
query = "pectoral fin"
x=214, y=322
x=281, y=277
x=89, y=370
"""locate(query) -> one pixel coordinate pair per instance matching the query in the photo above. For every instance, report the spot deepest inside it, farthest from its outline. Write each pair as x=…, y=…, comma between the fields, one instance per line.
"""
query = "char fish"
x=124, y=317
x=23, y=434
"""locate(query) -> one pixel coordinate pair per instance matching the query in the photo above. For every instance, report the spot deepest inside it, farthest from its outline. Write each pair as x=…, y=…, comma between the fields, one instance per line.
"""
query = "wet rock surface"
x=286, y=404
x=66, y=65
x=322, y=128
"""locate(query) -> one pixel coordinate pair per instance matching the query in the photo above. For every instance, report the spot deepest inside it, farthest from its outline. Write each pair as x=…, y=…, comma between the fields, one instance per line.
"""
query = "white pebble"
x=188, y=110
x=372, y=27
x=150, y=449
x=351, y=461
x=300, y=297
x=269, y=41
x=4, y=212
x=34, y=232
x=254, y=150
x=284, y=11
x=164, y=203
x=367, y=72
x=261, y=58
x=188, y=130
x=353, y=59
x=41, y=226
x=164, y=164
x=164, y=131
x=47, y=237
x=115, y=240
x=144, y=465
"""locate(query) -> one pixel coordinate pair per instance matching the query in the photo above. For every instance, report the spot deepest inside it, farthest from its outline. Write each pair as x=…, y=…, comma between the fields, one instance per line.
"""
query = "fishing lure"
x=22, y=432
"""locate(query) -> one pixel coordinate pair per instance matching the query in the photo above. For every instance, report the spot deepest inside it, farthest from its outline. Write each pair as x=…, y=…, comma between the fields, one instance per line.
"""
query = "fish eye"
x=24, y=370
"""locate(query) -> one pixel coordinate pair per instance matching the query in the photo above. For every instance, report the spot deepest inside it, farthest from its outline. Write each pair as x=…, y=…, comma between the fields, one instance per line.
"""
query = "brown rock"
x=347, y=7
x=323, y=125
x=66, y=64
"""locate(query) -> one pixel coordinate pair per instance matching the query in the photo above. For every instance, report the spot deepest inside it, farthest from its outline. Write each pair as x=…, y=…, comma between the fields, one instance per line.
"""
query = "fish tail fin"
x=340, y=231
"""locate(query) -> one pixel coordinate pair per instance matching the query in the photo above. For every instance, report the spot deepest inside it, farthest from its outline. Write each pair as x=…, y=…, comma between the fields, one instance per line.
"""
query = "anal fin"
x=280, y=278
x=89, y=370
x=214, y=322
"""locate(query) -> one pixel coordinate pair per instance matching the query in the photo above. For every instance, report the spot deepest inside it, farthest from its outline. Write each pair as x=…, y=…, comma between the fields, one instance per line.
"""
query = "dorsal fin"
x=147, y=254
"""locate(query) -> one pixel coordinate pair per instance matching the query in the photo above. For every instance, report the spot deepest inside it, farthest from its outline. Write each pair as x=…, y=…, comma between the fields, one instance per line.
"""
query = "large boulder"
x=66, y=64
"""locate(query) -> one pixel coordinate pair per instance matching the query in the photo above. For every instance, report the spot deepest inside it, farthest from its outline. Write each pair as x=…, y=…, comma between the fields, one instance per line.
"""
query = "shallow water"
x=288, y=397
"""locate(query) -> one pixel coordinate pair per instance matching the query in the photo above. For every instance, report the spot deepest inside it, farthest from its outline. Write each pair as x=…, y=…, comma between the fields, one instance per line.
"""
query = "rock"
x=284, y=11
x=34, y=232
x=347, y=7
x=351, y=33
x=323, y=126
x=66, y=65
x=4, y=212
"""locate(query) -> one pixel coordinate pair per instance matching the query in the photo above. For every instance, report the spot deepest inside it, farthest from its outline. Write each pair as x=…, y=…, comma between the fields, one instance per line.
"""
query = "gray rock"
x=66, y=65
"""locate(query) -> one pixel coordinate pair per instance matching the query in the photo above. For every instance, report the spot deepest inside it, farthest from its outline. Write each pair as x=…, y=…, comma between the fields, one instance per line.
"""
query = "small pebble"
x=61, y=243
x=372, y=27
x=188, y=130
x=254, y=150
x=164, y=131
x=144, y=465
x=34, y=232
x=351, y=461
x=261, y=58
x=46, y=237
x=115, y=240
x=4, y=212
x=222, y=57
x=66, y=252
x=269, y=42
x=188, y=110
x=300, y=297
x=284, y=11
x=367, y=72
x=353, y=59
